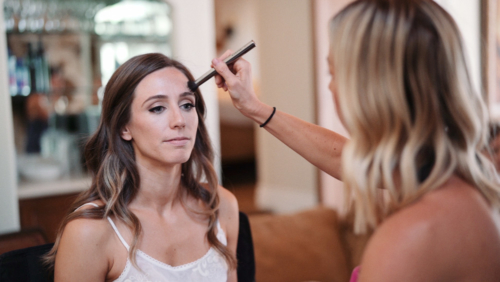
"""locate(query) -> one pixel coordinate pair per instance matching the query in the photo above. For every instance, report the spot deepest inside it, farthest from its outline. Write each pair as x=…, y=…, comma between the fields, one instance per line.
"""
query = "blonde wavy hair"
x=405, y=96
x=111, y=160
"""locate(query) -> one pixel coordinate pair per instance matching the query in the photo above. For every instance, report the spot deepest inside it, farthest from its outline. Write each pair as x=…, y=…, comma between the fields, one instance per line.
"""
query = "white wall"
x=467, y=14
x=194, y=46
x=332, y=190
x=242, y=16
x=286, y=182
x=491, y=69
x=9, y=211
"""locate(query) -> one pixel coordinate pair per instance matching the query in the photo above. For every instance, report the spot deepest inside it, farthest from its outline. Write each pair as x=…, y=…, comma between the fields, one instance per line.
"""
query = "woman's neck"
x=159, y=187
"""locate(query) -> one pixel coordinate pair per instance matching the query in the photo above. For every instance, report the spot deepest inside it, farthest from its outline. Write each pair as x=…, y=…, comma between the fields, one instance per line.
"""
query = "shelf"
x=29, y=190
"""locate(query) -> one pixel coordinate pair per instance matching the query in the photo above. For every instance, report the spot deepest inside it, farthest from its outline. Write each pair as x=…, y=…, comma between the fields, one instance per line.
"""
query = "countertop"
x=29, y=189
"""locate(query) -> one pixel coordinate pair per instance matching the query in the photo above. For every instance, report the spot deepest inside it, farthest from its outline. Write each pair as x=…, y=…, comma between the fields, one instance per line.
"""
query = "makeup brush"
x=193, y=85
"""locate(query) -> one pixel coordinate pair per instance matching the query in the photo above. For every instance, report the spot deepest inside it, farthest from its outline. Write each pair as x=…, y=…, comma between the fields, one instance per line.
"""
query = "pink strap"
x=355, y=274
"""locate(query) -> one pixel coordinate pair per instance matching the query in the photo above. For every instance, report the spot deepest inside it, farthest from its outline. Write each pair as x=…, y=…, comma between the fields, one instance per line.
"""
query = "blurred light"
x=163, y=26
x=135, y=18
x=21, y=25
x=123, y=11
x=25, y=90
x=121, y=52
x=107, y=61
x=100, y=28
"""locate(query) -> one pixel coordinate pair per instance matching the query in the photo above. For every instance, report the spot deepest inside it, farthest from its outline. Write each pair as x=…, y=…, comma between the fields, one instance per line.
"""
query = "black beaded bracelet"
x=270, y=117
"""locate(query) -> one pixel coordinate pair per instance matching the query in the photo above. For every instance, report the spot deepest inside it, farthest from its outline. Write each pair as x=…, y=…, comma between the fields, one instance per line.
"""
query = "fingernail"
x=215, y=61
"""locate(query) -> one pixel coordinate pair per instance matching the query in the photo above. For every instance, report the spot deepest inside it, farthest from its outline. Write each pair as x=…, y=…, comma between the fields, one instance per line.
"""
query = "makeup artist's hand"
x=238, y=82
x=318, y=145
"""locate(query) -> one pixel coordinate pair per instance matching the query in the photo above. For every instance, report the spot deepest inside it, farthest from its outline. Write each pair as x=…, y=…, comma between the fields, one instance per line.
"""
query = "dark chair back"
x=22, y=239
x=244, y=251
x=25, y=265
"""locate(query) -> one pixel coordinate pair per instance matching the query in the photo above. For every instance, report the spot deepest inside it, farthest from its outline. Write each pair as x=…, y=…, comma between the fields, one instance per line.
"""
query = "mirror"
x=60, y=55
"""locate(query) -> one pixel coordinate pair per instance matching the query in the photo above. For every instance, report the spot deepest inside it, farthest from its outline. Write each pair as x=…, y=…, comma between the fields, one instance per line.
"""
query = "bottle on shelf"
x=22, y=77
x=29, y=74
x=11, y=62
x=39, y=69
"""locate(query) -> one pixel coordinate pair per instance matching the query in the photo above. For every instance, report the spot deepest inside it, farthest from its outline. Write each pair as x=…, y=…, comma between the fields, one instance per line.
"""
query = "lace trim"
x=221, y=236
x=170, y=267
x=163, y=265
x=124, y=272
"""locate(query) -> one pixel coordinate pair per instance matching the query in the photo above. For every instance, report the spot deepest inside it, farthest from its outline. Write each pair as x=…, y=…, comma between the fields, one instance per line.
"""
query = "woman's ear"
x=125, y=134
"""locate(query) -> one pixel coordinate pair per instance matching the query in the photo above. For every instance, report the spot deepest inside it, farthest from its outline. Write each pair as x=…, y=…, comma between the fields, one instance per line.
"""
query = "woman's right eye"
x=157, y=109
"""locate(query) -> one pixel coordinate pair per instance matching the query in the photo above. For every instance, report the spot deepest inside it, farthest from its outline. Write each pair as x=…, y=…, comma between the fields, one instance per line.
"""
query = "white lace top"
x=210, y=268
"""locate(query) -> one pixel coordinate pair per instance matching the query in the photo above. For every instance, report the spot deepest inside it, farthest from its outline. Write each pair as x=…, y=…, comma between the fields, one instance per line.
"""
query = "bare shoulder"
x=84, y=230
x=229, y=217
x=228, y=202
x=228, y=206
x=84, y=248
x=228, y=209
x=87, y=229
x=435, y=239
x=87, y=233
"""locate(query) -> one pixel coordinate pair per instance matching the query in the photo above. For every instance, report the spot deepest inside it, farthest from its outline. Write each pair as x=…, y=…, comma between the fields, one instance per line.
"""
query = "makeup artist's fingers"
x=238, y=81
x=223, y=72
x=242, y=69
x=219, y=80
x=226, y=54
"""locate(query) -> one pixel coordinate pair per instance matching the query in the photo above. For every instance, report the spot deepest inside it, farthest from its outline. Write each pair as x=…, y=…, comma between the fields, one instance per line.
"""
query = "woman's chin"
x=168, y=161
x=177, y=160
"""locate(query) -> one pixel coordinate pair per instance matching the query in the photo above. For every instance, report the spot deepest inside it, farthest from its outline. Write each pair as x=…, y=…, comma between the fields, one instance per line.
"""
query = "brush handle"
x=229, y=60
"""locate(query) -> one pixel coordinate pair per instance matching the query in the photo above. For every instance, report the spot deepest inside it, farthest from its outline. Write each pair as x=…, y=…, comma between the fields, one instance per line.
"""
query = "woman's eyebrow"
x=159, y=96
x=187, y=94
x=163, y=96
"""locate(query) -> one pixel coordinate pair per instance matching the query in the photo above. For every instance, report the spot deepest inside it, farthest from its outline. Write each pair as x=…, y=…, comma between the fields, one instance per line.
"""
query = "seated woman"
x=147, y=215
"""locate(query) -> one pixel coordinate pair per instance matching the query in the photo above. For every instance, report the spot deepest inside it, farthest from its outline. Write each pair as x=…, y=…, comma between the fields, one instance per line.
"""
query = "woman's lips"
x=178, y=141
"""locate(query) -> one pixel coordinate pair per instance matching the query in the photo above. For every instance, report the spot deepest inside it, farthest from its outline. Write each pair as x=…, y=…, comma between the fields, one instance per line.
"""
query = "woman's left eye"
x=157, y=109
x=187, y=106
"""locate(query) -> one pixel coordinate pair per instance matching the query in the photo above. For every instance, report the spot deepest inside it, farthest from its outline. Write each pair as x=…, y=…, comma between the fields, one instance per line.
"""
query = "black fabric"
x=25, y=265
x=245, y=252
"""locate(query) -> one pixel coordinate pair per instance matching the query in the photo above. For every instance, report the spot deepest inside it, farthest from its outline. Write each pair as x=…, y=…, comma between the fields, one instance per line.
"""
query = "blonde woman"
x=147, y=216
x=402, y=90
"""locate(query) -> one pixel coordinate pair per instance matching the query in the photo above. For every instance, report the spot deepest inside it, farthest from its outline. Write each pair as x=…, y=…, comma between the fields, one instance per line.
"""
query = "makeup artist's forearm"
x=318, y=145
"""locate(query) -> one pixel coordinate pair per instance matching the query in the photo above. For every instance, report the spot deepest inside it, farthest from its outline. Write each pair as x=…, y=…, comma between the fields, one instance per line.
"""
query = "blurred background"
x=60, y=55
x=57, y=56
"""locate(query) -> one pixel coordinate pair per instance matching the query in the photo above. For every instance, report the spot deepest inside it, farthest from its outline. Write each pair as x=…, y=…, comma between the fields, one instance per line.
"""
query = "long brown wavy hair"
x=111, y=161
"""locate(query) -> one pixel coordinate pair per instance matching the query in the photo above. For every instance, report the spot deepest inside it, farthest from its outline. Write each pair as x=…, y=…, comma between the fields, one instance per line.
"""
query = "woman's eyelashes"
x=159, y=109
x=187, y=106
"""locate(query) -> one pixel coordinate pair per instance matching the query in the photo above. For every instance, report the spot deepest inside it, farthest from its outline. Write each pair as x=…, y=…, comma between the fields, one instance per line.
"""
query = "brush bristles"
x=192, y=86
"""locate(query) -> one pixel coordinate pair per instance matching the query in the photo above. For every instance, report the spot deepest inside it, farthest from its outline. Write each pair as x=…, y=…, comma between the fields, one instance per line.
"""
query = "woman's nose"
x=176, y=118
